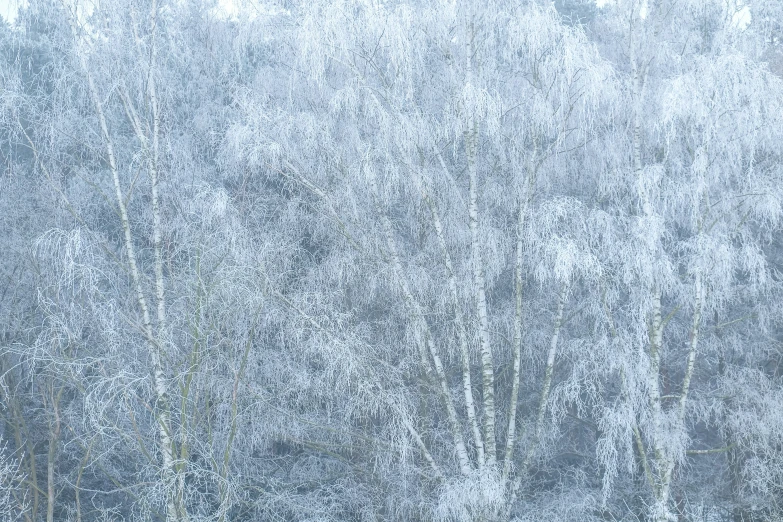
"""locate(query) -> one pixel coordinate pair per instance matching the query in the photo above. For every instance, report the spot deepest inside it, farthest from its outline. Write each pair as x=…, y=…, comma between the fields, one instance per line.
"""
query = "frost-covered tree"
x=429, y=260
x=433, y=140
x=697, y=173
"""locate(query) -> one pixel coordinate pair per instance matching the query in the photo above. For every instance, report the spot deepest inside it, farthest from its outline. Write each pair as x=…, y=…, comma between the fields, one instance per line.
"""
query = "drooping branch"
x=55, y=425
x=387, y=397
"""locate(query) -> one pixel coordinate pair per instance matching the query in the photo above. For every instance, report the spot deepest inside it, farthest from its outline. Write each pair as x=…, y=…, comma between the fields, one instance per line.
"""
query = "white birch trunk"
x=653, y=385
x=479, y=285
x=550, y=368
x=423, y=334
x=155, y=349
x=160, y=292
x=512, y=414
x=662, y=458
x=545, y=389
x=667, y=465
x=467, y=386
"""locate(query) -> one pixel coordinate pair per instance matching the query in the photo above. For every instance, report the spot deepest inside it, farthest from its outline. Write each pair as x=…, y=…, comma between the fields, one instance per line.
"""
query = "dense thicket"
x=391, y=260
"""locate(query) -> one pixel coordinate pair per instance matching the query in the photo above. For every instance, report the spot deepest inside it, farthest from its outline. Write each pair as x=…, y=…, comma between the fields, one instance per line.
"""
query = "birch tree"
x=398, y=260
x=697, y=259
x=401, y=134
x=82, y=263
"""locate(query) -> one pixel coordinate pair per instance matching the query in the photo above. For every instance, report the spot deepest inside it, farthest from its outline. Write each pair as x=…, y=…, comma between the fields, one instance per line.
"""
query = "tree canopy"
x=401, y=260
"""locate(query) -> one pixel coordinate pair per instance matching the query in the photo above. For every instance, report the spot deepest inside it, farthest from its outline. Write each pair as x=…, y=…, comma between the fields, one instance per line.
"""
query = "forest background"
x=364, y=260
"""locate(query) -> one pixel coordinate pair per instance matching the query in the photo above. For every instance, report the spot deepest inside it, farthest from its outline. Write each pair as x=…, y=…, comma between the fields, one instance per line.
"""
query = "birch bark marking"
x=656, y=341
x=637, y=84
x=693, y=340
x=160, y=292
x=693, y=343
x=512, y=414
x=422, y=333
x=487, y=372
x=155, y=349
x=487, y=365
x=664, y=461
x=160, y=289
x=655, y=328
x=545, y=389
x=467, y=386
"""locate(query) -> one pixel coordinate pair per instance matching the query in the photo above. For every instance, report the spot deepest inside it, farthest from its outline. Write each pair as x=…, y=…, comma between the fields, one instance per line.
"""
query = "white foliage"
x=478, y=496
x=12, y=500
x=615, y=447
x=559, y=233
x=338, y=117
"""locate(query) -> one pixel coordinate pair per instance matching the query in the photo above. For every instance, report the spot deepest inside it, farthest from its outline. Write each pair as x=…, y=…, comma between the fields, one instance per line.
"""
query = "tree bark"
x=545, y=389
x=422, y=333
x=156, y=350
